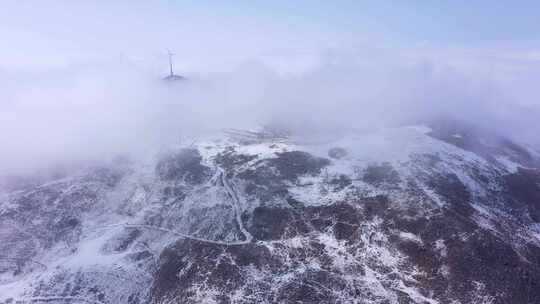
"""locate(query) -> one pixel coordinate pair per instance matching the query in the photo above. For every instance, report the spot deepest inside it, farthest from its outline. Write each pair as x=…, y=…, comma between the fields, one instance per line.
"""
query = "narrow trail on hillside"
x=182, y=235
x=220, y=177
x=24, y=260
x=235, y=201
x=57, y=298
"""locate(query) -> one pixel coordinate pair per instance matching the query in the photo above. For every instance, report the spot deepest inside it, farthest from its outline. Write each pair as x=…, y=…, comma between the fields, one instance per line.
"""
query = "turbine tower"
x=170, y=62
x=172, y=76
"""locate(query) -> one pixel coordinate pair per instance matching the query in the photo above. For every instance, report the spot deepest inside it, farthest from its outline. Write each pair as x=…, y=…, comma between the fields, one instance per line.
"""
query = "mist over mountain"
x=94, y=111
x=269, y=152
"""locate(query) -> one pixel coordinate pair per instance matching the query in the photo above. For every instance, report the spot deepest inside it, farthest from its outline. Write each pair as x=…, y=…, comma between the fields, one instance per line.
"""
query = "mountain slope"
x=403, y=215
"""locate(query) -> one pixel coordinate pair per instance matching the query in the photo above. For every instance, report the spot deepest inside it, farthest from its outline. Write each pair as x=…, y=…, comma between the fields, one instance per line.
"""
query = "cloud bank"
x=98, y=110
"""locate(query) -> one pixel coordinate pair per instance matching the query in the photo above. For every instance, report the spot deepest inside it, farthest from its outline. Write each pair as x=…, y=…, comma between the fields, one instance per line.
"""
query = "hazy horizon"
x=82, y=80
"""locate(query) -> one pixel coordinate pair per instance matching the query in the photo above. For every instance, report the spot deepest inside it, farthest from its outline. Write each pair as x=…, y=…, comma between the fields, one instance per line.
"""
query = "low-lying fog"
x=57, y=107
x=107, y=109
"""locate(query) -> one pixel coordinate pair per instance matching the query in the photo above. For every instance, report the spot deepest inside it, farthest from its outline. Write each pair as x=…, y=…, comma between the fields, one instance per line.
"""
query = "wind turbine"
x=172, y=76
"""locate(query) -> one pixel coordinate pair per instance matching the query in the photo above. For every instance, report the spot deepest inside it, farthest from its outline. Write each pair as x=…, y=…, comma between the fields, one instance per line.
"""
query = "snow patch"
x=410, y=237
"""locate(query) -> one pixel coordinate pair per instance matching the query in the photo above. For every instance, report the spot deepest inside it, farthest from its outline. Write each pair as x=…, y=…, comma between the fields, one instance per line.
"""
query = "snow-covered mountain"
x=440, y=214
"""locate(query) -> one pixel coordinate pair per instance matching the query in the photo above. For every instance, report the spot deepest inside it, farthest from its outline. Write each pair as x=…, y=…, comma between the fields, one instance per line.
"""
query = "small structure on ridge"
x=172, y=76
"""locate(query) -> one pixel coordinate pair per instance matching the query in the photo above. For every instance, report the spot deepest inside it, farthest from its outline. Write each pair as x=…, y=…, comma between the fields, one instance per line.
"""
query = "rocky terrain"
x=440, y=214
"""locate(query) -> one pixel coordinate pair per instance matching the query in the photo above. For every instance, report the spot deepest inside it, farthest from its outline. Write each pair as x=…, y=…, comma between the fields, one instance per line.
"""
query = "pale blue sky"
x=206, y=34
